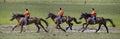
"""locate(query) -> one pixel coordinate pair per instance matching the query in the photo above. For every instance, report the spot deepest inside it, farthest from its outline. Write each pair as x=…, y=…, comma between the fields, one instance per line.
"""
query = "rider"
x=60, y=13
x=93, y=15
x=27, y=15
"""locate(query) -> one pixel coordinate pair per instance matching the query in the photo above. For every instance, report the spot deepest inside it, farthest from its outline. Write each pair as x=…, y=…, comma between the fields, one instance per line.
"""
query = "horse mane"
x=88, y=15
x=20, y=15
x=52, y=14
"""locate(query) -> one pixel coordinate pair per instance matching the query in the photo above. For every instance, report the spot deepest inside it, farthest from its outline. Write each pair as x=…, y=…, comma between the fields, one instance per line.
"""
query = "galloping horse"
x=99, y=20
x=35, y=20
x=66, y=19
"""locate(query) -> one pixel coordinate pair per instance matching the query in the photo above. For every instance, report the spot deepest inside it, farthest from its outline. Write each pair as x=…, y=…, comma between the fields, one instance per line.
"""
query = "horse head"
x=85, y=15
x=13, y=17
x=16, y=16
x=51, y=15
x=82, y=16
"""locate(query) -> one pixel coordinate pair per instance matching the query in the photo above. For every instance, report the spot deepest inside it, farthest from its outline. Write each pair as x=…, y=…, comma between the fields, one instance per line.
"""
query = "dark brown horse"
x=35, y=20
x=66, y=19
x=99, y=20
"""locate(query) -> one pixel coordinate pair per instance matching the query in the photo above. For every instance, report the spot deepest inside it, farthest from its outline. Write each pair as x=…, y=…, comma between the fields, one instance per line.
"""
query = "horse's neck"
x=86, y=18
x=18, y=19
x=53, y=17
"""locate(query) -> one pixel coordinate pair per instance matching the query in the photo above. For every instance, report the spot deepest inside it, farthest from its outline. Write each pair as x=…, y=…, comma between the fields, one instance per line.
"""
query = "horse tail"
x=110, y=22
x=44, y=22
x=76, y=20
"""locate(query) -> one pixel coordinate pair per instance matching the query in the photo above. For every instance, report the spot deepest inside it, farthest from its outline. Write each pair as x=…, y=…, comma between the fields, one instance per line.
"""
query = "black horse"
x=35, y=20
x=66, y=19
x=99, y=20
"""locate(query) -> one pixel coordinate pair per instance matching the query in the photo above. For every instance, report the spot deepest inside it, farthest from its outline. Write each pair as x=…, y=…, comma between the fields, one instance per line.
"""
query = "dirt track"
x=30, y=28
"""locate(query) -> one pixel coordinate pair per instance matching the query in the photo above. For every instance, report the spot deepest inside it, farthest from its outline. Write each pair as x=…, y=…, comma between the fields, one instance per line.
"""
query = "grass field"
x=5, y=33
x=60, y=36
x=40, y=8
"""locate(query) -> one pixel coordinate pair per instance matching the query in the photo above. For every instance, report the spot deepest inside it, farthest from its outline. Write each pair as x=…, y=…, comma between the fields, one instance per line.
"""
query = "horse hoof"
x=82, y=31
x=46, y=31
x=70, y=29
x=95, y=32
x=64, y=31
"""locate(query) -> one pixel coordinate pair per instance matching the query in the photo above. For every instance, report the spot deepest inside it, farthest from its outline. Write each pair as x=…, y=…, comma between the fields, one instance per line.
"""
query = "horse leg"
x=71, y=24
x=82, y=26
x=38, y=28
x=14, y=27
x=98, y=28
x=43, y=28
x=21, y=28
x=68, y=26
x=85, y=28
x=61, y=28
x=57, y=27
x=106, y=27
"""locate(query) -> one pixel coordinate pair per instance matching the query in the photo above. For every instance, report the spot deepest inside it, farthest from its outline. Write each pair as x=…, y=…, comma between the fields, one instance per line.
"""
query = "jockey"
x=93, y=15
x=60, y=13
x=27, y=15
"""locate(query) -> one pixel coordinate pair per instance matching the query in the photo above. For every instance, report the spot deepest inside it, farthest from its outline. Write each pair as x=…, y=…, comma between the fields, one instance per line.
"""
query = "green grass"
x=60, y=36
x=5, y=33
x=40, y=8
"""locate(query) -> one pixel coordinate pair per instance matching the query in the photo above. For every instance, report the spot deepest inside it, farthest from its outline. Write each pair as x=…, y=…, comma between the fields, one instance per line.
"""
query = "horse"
x=31, y=20
x=66, y=19
x=99, y=20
